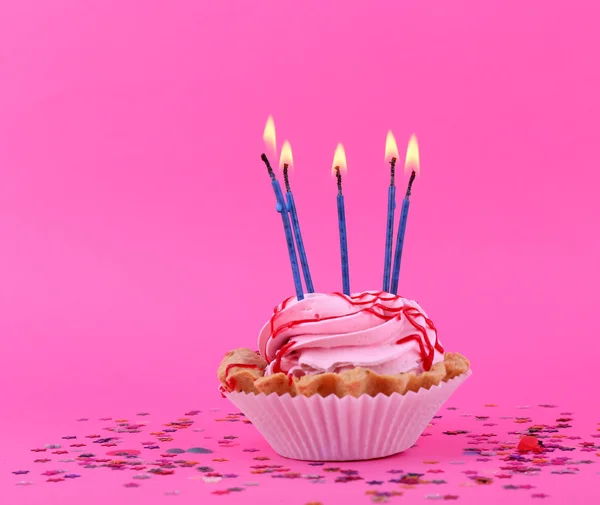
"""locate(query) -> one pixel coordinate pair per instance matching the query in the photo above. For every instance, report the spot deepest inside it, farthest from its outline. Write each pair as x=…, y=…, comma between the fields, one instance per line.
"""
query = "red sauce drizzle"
x=279, y=355
x=370, y=310
x=426, y=349
x=231, y=381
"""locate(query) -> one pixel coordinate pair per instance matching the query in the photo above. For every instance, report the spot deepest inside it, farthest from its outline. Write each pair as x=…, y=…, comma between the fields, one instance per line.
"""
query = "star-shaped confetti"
x=559, y=445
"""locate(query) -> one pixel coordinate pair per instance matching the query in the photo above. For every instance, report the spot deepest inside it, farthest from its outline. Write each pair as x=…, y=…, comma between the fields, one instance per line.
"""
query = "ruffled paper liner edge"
x=344, y=429
x=242, y=371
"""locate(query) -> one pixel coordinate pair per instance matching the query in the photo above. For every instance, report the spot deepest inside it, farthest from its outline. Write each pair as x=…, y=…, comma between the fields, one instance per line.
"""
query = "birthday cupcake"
x=339, y=377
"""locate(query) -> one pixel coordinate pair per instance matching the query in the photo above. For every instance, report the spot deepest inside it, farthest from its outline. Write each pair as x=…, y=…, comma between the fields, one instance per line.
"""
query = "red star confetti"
x=528, y=443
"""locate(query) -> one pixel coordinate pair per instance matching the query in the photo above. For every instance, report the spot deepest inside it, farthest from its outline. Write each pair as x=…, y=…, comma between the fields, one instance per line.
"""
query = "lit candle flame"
x=339, y=159
x=269, y=135
x=391, y=149
x=412, y=156
x=286, y=157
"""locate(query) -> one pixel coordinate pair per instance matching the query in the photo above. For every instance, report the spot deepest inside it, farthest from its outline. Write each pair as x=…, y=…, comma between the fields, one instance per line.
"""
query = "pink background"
x=138, y=236
x=139, y=240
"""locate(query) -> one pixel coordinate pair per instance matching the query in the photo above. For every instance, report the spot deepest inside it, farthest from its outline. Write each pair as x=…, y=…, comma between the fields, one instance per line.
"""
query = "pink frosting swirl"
x=334, y=332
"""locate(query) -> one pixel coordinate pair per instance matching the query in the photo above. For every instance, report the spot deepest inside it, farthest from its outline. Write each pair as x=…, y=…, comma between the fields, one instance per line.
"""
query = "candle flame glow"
x=391, y=149
x=286, y=157
x=412, y=156
x=339, y=159
x=269, y=135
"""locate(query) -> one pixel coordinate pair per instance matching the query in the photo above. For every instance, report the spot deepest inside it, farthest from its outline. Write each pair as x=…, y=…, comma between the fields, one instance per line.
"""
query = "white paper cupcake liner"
x=344, y=429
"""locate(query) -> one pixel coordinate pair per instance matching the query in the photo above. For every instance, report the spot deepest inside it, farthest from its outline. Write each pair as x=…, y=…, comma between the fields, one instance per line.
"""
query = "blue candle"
x=291, y=207
x=391, y=154
x=285, y=161
x=343, y=243
x=400, y=237
x=390, y=228
x=339, y=162
x=281, y=208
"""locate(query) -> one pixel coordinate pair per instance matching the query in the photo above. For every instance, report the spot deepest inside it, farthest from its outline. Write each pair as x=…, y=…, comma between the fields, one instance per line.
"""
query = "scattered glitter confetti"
x=220, y=491
x=553, y=444
x=50, y=473
x=199, y=450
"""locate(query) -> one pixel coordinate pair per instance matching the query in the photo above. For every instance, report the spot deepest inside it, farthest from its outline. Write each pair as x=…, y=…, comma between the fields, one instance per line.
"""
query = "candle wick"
x=286, y=179
x=410, y=183
x=338, y=175
x=392, y=171
x=263, y=157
